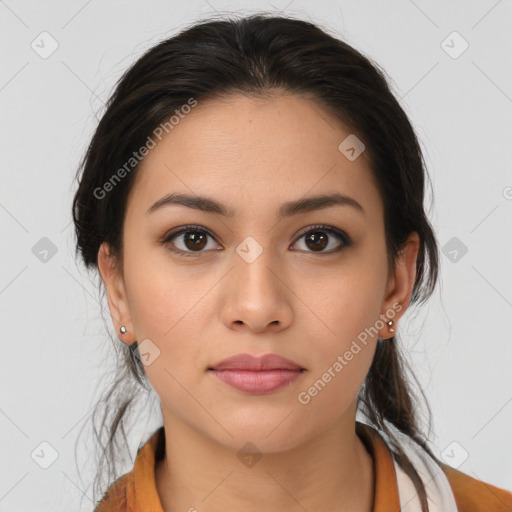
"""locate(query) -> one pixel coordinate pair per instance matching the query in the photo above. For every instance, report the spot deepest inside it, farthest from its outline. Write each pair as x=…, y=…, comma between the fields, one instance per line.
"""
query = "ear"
x=400, y=285
x=113, y=280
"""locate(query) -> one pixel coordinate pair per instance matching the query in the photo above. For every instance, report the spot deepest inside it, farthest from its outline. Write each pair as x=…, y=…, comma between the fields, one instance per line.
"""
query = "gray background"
x=55, y=351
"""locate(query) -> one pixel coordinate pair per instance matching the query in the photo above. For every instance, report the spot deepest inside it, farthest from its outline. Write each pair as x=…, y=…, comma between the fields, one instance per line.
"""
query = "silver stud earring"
x=122, y=329
x=390, y=323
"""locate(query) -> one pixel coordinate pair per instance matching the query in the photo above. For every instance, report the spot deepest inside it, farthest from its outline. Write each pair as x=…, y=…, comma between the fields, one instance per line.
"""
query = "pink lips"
x=257, y=375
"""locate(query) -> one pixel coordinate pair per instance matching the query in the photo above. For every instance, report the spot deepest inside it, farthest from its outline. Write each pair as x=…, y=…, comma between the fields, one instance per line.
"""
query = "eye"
x=321, y=236
x=193, y=239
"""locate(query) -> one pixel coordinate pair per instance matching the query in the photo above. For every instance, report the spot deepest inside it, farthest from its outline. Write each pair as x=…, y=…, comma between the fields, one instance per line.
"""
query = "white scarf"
x=440, y=496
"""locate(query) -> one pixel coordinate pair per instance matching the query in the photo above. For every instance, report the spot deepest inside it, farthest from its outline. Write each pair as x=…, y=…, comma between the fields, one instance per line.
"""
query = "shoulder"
x=136, y=489
x=472, y=495
x=115, y=499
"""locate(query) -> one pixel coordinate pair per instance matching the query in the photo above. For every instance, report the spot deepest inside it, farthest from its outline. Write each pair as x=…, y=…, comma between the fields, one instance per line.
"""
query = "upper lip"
x=250, y=362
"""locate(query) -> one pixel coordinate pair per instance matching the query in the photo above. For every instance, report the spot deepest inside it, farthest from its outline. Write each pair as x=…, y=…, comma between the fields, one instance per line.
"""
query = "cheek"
x=338, y=372
x=163, y=298
x=346, y=306
x=345, y=334
x=169, y=307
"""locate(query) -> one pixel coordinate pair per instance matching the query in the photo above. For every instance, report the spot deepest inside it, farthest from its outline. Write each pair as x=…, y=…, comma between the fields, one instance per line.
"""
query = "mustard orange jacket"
x=136, y=491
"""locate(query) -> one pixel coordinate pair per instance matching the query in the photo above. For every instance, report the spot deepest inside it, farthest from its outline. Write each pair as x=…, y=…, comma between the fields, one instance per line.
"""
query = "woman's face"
x=257, y=282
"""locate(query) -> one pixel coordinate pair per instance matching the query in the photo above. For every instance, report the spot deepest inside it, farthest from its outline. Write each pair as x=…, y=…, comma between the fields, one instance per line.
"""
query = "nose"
x=257, y=296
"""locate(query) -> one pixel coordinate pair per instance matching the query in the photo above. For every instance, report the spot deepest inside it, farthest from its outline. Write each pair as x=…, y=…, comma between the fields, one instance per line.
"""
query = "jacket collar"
x=141, y=488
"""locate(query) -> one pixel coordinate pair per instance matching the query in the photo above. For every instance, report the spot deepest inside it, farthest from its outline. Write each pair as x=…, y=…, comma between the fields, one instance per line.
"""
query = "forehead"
x=254, y=153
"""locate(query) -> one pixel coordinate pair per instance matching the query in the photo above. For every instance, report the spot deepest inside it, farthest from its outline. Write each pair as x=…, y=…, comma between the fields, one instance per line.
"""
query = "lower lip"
x=257, y=382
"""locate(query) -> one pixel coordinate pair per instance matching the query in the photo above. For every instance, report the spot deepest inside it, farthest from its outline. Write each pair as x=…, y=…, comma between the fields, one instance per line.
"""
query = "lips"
x=257, y=375
x=252, y=363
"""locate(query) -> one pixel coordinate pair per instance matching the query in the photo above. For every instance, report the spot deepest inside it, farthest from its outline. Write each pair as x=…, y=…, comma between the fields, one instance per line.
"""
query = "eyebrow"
x=303, y=205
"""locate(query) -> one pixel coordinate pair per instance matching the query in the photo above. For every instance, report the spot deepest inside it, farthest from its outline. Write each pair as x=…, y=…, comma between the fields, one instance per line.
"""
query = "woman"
x=253, y=201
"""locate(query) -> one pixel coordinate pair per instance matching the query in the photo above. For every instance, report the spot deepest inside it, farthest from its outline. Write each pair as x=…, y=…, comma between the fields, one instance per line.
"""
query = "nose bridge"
x=255, y=266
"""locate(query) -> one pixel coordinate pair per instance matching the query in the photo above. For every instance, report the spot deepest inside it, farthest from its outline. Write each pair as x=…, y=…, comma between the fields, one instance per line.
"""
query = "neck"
x=331, y=471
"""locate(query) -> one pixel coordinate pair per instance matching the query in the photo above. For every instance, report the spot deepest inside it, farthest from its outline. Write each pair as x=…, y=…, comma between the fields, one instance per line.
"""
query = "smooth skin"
x=304, y=302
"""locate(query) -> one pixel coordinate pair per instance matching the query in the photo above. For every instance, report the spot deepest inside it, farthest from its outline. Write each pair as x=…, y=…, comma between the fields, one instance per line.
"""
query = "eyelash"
x=341, y=235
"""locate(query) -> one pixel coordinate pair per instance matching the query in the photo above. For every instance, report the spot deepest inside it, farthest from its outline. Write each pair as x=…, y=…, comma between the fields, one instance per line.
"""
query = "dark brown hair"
x=256, y=55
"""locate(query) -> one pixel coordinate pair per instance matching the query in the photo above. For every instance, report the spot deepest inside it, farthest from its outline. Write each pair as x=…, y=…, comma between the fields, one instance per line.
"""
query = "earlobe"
x=113, y=280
